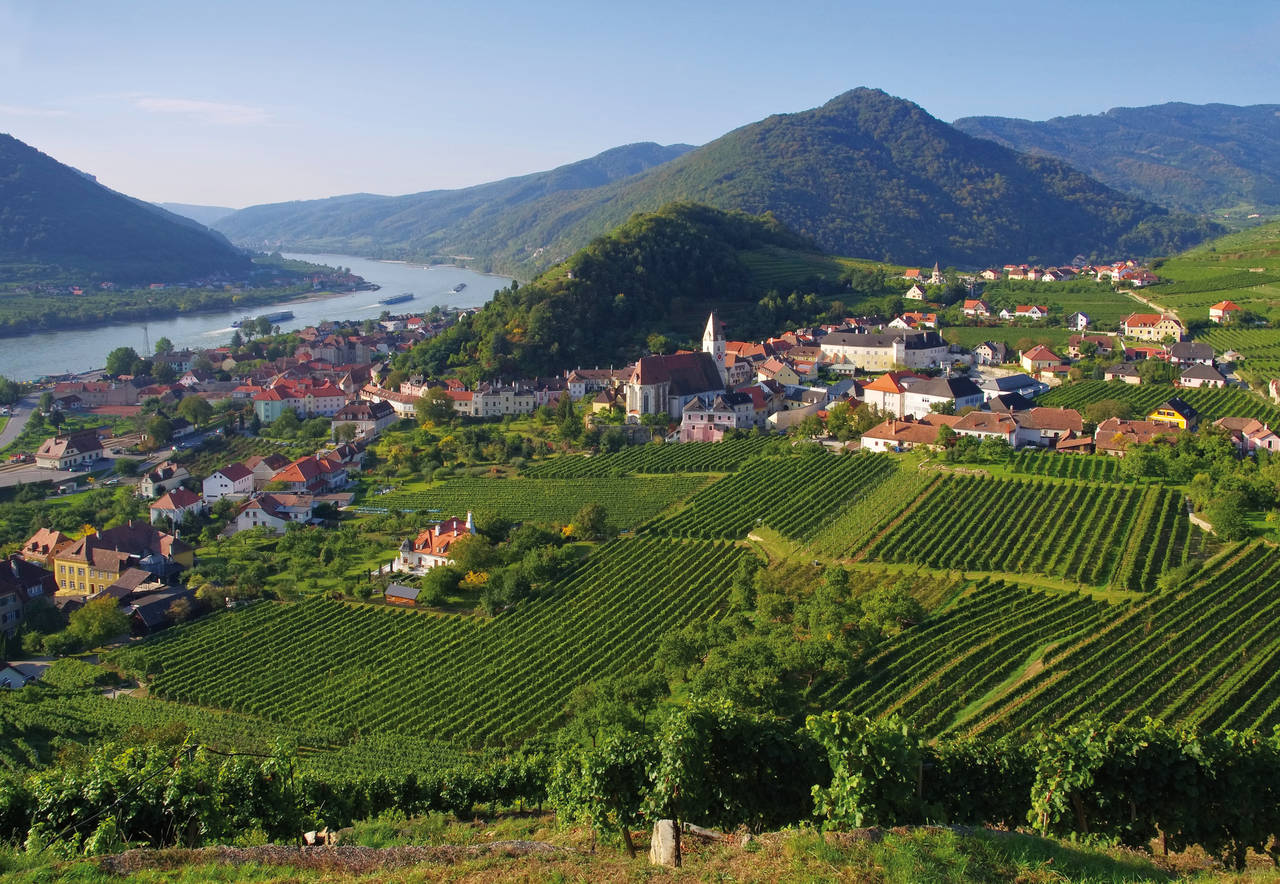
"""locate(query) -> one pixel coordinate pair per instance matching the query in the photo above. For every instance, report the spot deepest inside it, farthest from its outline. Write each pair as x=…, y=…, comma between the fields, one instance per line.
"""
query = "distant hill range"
x=866, y=174
x=206, y=215
x=58, y=222
x=1188, y=157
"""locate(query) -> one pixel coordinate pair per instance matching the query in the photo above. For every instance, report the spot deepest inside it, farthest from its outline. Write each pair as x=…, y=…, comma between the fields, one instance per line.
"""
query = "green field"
x=688, y=457
x=1014, y=336
x=1258, y=347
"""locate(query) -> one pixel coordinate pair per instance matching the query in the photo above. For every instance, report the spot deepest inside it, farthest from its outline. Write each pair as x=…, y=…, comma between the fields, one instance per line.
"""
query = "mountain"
x=658, y=274
x=206, y=215
x=866, y=174
x=56, y=221
x=1188, y=157
x=431, y=224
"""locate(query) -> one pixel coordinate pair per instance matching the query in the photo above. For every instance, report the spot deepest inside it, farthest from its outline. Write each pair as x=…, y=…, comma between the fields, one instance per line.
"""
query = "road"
x=21, y=414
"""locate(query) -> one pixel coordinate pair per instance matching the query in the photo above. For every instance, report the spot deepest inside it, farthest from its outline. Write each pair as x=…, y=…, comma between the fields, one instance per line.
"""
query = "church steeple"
x=713, y=343
x=937, y=278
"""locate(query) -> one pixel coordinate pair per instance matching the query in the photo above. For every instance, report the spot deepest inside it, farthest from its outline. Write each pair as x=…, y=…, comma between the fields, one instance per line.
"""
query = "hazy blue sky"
x=233, y=103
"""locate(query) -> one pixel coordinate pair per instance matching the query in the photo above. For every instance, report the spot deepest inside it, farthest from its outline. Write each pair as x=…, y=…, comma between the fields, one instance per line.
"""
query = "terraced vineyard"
x=1260, y=347
x=847, y=533
x=687, y=457
x=1092, y=467
x=1208, y=654
x=792, y=495
x=1211, y=403
x=628, y=501
x=931, y=673
x=324, y=664
x=1089, y=533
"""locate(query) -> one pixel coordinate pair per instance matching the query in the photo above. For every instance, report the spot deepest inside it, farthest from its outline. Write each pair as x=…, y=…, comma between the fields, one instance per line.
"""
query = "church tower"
x=937, y=278
x=713, y=343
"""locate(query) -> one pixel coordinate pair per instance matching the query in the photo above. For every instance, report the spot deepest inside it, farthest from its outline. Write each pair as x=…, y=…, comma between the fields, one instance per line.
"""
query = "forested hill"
x=56, y=221
x=659, y=273
x=1195, y=158
x=866, y=174
x=437, y=223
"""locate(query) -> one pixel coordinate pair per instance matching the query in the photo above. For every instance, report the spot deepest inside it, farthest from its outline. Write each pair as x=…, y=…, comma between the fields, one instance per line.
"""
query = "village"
x=908, y=387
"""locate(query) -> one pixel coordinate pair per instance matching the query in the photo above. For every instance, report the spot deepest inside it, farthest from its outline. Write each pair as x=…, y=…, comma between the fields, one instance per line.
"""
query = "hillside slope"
x=432, y=224
x=56, y=221
x=1194, y=158
x=866, y=174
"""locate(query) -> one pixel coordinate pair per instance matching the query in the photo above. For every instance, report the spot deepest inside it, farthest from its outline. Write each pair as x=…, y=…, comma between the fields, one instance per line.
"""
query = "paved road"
x=22, y=414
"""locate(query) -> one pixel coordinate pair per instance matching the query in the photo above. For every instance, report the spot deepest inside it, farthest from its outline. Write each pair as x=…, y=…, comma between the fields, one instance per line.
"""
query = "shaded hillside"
x=1195, y=158
x=206, y=215
x=432, y=224
x=658, y=273
x=866, y=174
x=56, y=221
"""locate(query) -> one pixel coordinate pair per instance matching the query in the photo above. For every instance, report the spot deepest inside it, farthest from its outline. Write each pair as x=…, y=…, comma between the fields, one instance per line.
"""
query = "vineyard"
x=793, y=495
x=1211, y=402
x=1120, y=535
x=1260, y=347
x=324, y=664
x=1094, y=468
x=851, y=530
x=627, y=501
x=688, y=457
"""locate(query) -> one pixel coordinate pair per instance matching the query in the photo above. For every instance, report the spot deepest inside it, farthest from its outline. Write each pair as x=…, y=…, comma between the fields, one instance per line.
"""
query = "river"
x=82, y=349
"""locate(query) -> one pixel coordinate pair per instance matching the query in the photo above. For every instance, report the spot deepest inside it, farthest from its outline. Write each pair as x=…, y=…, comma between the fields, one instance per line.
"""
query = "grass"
x=1017, y=337
x=901, y=856
x=1243, y=267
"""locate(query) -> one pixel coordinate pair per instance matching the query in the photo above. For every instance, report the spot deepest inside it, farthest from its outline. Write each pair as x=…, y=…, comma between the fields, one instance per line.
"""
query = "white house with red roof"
x=307, y=398
x=235, y=481
x=275, y=511
x=174, y=505
x=977, y=306
x=1223, y=312
x=430, y=549
x=1040, y=357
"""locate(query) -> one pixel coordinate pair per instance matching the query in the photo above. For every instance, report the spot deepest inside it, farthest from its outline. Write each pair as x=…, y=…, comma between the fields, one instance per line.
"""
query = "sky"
x=234, y=103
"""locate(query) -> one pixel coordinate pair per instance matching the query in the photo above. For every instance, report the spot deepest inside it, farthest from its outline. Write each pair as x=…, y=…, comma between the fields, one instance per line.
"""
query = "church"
x=666, y=384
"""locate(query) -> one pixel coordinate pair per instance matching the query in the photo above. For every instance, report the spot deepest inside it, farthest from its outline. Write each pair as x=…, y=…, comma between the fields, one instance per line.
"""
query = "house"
x=991, y=274
x=430, y=548
x=1152, y=327
x=1040, y=357
x=12, y=678
x=1197, y=375
x=264, y=467
x=991, y=353
x=1078, y=321
x=1103, y=345
x=1185, y=352
x=885, y=351
x=1175, y=413
x=275, y=511
x=1035, y=312
x=920, y=398
x=21, y=582
x=915, y=293
x=1043, y=427
x=1249, y=434
x=903, y=434
x=1126, y=372
x=96, y=561
x=886, y=393
x=41, y=547
x=399, y=594
x=1008, y=403
x=131, y=582
x=1114, y=435
x=778, y=369
x=909, y=320
x=175, y=505
x=311, y=475
x=65, y=452
x=988, y=425
x=306, y=398
x=912, y=274
x=235, y=481
x=706, y=418
x=1224, y=312
x=1021, y=384
x=164, y=477
x=151, y=613
x=368, y=417
x=977, y=307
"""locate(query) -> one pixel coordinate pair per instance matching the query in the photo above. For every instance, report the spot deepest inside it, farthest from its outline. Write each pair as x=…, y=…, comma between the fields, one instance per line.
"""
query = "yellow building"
x=1175, y=413
x=1153, y=327
x=96, y=561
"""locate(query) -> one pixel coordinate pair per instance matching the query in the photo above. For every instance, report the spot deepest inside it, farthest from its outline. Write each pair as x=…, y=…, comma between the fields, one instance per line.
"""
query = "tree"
x=164, y=345
x=1097, y=412
x=1227, y=515
x=1157, y=371
x=46, y=402
x=590, y=523
x=195, y=409
x=98, y=621
x=160, y=431
x=121, y=360
x=10, y=391
x=945, y=436
x=57, y=418
x=345, y=432
x=434, y=407
x=236, y=340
